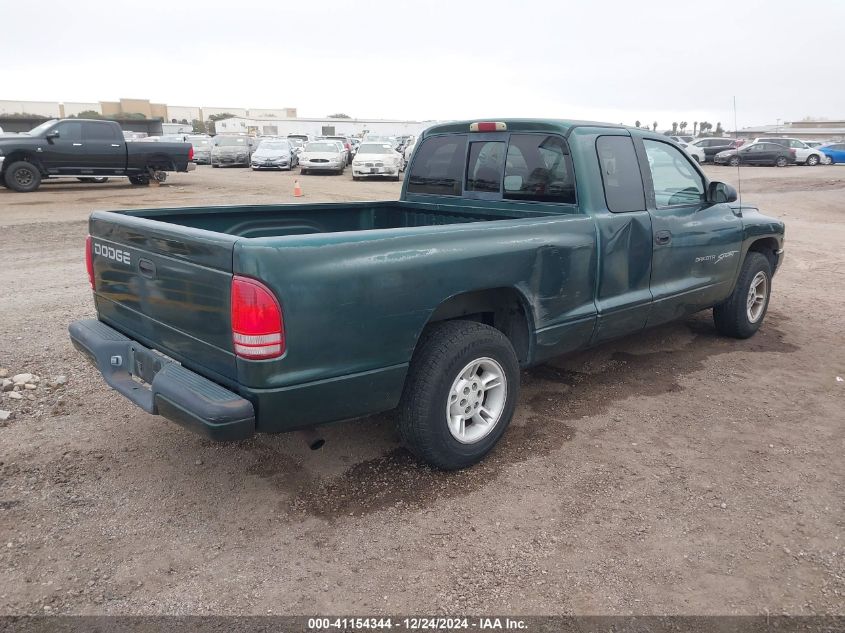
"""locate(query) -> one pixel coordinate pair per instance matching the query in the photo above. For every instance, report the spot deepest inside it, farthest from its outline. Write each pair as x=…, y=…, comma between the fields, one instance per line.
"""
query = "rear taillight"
x=89, y=261
x=191, y=154
x=257, y=325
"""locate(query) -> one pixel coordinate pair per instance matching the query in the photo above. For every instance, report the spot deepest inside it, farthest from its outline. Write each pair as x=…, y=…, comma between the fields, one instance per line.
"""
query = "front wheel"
x=742, y=314
x=812, y=160
x=23, y=177
x=734, y=161
x=460, y=393
x=781, y=161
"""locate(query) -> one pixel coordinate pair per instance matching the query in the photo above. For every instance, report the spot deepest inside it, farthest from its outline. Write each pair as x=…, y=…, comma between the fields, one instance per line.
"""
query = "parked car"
x=804, y=154
x=301, y=138
x=323, y=156
x=231, y=150
x=377, y=159
x=695, y=151
x=88, y=150
x=682, y=139
x=202, y=148
x=409, y=149
x=835, y=153
x=757, y=154
x=274, y=154
x=713, y=146
x=347, y=146
x=284, y=316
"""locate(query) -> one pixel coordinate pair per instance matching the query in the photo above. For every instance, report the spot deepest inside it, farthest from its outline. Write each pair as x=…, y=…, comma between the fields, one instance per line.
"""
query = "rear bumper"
x=168, y=389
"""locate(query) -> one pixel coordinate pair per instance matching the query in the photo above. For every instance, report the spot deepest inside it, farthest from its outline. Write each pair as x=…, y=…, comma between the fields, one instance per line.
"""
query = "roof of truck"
x=551, y=125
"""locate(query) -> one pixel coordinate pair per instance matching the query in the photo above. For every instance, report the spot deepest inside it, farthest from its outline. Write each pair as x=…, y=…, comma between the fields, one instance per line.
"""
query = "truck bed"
x=302, y=219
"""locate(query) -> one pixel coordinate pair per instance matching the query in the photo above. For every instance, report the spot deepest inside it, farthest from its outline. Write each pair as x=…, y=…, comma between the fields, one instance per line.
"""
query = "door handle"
x=662, y=238
x=77, y=144
x=115, y=144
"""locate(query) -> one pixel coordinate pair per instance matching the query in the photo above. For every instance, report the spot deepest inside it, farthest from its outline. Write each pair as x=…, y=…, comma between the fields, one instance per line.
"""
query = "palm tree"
x=674, y=127
x=683, y=126
x=694, y=127
x=636, y=124
x=654, y=126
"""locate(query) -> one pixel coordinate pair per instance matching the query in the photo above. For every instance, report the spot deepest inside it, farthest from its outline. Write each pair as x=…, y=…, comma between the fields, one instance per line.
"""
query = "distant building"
x=319, y=126
x=48, y=109
x=124, y=107
x=806, y=130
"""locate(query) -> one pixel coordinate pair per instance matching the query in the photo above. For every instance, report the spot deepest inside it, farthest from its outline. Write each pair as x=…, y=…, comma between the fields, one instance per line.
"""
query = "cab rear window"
x=438, y=166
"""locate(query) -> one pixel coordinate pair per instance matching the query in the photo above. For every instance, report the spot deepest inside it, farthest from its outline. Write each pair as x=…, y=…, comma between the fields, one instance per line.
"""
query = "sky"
x=606, y=60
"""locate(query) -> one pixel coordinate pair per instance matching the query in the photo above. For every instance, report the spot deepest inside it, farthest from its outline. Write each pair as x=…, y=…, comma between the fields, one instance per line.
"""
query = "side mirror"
x=720, y=192
x=52, y=134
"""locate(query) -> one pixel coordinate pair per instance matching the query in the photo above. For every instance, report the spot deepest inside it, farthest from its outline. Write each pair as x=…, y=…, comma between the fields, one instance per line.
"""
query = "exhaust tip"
x=314, y=440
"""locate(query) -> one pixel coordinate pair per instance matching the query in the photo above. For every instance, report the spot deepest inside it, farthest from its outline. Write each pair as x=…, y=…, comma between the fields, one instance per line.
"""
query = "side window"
x=484, y=167
x=539, y=168
x=97, y=132
x=439, y=166
x=69, y=130
x=620, y=174
x=675, y=179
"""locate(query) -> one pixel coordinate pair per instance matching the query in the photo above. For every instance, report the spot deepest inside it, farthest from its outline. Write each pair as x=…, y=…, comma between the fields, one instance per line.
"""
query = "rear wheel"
x=742, y=314
x=303, y=171
x=93, y=179
x=781, y=161
x=23, y=177
x=812, y=160
x=460, y=393
x=734, y=161
x=139, y=180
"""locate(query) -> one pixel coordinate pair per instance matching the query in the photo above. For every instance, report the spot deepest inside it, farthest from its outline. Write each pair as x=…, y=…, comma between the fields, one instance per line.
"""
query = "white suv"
x=804, y=154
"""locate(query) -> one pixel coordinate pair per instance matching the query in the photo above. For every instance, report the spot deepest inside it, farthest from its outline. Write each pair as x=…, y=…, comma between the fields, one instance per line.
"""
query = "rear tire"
x=742, y=313
x=141, y=181
x=22, y=176
x=781, y=161
x=734, y=161
x=93, y=179
x=453, y=359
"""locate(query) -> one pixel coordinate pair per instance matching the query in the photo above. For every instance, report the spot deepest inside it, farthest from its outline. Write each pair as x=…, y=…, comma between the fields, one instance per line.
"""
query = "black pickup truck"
x=87, y=150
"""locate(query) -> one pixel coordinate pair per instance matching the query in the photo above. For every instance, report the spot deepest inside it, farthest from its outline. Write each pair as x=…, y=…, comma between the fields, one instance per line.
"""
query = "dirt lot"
x=673, y=472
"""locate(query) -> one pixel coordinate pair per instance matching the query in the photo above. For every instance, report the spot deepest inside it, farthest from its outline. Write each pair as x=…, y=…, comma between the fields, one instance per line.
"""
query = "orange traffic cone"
x=297, y=190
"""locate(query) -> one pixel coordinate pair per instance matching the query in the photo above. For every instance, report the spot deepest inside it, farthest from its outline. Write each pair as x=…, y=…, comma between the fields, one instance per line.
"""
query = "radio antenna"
x=738, y=176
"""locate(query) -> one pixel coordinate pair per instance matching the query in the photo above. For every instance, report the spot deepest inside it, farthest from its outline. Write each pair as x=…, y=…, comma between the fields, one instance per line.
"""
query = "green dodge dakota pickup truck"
x=513, y=241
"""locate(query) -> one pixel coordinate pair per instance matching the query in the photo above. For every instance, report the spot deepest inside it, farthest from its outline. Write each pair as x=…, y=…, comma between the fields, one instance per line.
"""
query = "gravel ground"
x=673, y=472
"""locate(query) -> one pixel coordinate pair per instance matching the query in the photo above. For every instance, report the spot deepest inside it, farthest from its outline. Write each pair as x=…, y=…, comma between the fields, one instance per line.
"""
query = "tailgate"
x=166, y=286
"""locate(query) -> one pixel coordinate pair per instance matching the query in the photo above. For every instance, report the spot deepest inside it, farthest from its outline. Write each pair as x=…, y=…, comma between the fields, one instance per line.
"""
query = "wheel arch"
x=162, y=162
x=767, y=246
x=28, y=156
x=504, y=308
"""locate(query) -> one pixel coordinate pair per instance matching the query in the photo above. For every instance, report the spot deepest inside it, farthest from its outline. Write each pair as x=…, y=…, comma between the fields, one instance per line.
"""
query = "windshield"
x=199, y=140
x=374, y=148
x=321, y=147
x=36, y=131
x=274, y=145
x=296, y=142
x=229, y=141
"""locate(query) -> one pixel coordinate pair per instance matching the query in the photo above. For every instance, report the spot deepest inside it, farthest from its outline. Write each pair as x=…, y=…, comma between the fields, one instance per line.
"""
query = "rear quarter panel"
x=173, y=155
x=355, y=302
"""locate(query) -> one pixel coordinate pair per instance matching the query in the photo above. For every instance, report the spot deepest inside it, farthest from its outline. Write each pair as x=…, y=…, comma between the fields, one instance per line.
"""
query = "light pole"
x=777, y=127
